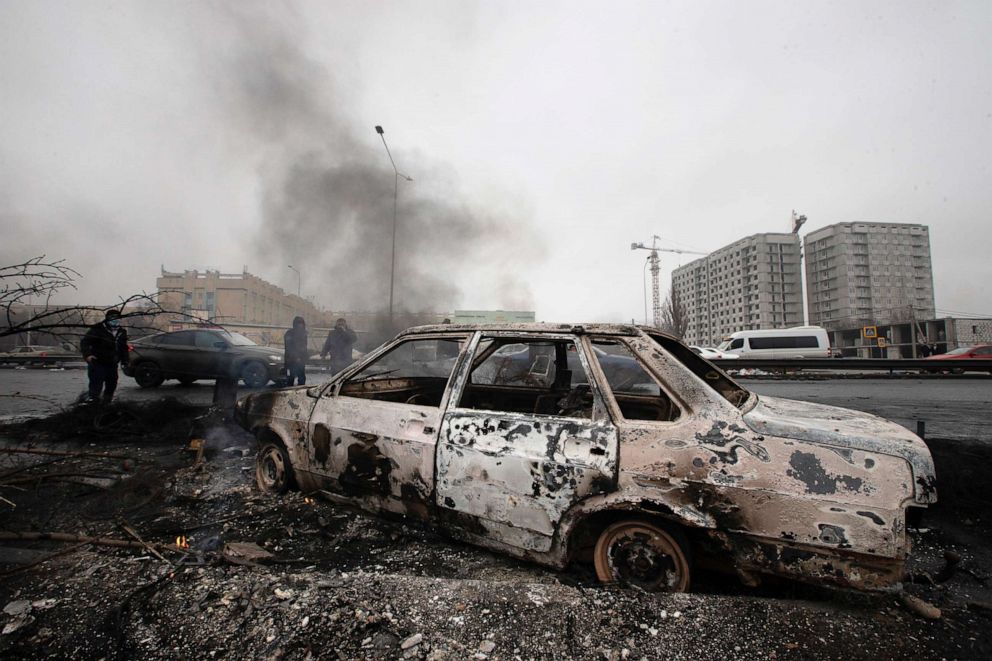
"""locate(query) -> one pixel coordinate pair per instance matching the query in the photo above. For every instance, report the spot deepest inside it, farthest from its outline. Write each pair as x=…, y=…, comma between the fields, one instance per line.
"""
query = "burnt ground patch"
x=342, y=584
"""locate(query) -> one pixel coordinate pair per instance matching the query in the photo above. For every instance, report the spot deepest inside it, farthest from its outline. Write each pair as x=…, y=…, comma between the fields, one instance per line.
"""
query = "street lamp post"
x=299, y=279
x=396, y=186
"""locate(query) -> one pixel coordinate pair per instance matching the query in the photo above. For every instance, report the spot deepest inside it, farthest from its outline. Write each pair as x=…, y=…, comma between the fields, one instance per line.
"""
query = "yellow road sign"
x=869, y=332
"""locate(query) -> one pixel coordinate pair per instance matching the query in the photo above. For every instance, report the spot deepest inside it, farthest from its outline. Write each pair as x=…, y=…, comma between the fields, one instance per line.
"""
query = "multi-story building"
x=860, y=274
x=233, y=298
x=492, y=316
x=751, y=284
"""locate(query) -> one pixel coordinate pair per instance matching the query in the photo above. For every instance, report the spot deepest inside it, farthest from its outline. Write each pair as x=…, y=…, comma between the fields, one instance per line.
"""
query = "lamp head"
x=378, y=129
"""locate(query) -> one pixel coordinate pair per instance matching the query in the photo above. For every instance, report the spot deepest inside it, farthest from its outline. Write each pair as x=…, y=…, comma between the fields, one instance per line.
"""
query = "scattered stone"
x=16, y=624
x=18, y=607
x=920, y=607
x=246, y=553
x=487, y=646
x=411, y=641
x=384, y=640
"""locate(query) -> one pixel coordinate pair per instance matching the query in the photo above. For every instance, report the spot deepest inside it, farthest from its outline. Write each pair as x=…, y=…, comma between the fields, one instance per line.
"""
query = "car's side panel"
x=377, y=452
x=516, y=475
x=512, y=476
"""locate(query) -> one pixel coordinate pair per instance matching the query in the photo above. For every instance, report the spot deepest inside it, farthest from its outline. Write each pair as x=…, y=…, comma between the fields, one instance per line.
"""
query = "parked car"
x=38, y=353
x=709, y=353
x=190, y=355
x=977, y=352
x=32, y=351
x=798, y=342
x=645, y=472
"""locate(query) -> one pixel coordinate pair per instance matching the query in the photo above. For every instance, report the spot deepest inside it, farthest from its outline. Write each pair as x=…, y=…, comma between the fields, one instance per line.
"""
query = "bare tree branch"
x=674, y=314
x=42, y=278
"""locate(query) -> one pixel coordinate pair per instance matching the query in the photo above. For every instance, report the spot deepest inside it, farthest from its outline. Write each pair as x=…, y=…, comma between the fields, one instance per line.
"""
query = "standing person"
x=296, y=352
x=338, y=344
x=103, y=347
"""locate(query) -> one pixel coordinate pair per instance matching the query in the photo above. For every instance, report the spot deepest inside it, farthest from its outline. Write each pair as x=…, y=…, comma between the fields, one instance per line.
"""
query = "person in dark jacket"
x=296, y=352
x=338, y=345
x=104, y=346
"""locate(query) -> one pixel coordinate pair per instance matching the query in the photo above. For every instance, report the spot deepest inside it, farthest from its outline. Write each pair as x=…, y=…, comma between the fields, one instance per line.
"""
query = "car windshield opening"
x=711, y=375
x=413, y=372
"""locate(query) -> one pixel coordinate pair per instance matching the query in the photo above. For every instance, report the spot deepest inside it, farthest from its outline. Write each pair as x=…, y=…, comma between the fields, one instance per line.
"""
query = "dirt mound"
x=163, y=420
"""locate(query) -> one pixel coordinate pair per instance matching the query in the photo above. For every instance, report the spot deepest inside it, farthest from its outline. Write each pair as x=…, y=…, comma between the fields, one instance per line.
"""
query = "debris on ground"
x=176, y=557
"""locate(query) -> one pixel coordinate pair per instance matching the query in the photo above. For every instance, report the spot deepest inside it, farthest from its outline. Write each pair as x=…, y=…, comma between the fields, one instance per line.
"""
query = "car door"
x=210, y=358
x=521, y=443
x=372, y=435
x=177, y=353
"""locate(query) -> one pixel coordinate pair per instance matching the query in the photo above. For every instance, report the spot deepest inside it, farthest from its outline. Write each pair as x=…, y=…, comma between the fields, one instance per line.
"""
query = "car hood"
x=844, y=428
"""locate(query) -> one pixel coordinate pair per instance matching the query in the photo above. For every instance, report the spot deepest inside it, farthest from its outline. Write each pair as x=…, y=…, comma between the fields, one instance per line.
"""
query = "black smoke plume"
x=327, y=190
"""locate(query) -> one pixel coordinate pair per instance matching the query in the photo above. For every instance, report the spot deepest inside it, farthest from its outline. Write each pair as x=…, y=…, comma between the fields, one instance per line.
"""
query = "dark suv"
x=189, y=355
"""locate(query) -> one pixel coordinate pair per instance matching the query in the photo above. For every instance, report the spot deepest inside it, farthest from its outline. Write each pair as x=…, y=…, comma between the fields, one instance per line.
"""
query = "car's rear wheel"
x=273, y=472
x=643, y=554
x=148, y=375
x=254, y=374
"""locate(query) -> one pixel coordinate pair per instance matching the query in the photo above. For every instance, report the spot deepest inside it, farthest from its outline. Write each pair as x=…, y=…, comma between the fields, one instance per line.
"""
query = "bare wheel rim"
x=643, y=555
x=271, y=469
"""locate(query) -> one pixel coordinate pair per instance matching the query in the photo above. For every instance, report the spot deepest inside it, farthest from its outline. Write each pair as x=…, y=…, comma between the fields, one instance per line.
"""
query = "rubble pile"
x=212, y=568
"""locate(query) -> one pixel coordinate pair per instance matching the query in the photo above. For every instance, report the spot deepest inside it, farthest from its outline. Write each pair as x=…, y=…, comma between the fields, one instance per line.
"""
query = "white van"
x=797, y=342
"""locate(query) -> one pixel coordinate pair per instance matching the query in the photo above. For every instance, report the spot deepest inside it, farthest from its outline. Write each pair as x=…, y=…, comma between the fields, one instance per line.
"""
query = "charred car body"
x=615, y=444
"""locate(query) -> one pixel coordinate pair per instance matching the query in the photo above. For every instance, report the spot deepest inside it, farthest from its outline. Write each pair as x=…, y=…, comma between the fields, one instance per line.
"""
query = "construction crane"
x=656, y=270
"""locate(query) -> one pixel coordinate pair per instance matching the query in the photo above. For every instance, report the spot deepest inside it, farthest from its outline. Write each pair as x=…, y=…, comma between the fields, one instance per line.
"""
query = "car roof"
x=539, y=328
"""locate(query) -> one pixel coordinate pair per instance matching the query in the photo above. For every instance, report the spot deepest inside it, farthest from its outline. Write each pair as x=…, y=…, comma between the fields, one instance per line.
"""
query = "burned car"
x=615, y=445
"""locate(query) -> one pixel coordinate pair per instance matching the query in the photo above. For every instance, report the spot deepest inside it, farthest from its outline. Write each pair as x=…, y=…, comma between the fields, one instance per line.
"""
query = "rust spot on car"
x=322, y=444
x=873, y=517
x=833, y=535
x=723, y=440
x=806, y=467
x=367, y=470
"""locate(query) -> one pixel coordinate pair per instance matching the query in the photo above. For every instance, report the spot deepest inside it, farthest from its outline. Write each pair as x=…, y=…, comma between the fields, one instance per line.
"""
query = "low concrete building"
x=227, y=298
x=492, y=316
x=939, y=336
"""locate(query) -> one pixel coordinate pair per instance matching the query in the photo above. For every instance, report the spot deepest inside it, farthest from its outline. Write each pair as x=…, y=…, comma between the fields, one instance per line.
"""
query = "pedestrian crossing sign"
x=869, y=332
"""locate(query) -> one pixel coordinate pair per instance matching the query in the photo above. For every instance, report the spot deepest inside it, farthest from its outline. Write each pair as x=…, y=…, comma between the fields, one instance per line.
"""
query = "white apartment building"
x=751, y=284
x=861, y=274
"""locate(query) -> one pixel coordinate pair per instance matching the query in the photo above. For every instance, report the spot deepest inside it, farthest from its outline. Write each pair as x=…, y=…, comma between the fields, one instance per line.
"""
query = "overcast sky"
x=543, y=138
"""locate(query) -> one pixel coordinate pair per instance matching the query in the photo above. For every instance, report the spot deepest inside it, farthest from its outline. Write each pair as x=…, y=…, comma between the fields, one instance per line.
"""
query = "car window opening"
x=543, y=377
x=413, y=372
x=637, y=393
x=712, y=376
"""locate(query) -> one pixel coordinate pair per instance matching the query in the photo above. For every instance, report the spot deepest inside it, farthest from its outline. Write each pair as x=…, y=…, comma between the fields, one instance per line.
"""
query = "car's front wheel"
x=643, y=554
x=254, y=374
x=273, y=472
x=148, y=375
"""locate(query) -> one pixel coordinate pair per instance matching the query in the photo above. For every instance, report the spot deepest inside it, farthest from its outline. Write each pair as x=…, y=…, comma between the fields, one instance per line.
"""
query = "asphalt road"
x=950, y=408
